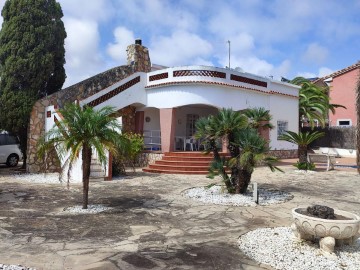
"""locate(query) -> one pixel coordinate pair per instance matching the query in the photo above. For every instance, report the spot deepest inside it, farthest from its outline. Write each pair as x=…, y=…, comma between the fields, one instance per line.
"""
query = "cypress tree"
x=32, y=58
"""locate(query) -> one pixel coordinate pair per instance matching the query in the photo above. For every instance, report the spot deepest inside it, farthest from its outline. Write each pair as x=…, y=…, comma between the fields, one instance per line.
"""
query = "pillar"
x=139, y=122
x=264, y=131
x=167, y=127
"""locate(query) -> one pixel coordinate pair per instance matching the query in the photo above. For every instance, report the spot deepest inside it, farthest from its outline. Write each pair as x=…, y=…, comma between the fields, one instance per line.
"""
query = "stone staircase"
x=96, y=171
x=182, y=163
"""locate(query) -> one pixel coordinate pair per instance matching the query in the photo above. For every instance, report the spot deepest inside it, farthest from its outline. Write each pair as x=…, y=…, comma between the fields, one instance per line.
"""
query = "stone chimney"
x=138, y=57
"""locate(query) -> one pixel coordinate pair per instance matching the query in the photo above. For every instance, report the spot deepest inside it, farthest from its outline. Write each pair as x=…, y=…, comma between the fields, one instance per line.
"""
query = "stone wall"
x=79, y=91
x=281, y=154
x=147, y=158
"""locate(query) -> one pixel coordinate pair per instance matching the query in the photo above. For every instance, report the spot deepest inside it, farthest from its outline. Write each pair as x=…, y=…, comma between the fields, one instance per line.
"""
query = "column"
x=139, y=122
x=167, y=127
x=264, y=131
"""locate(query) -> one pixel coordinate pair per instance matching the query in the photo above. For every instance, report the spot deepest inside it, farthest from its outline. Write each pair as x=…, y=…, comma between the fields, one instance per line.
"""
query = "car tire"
x=12, y=160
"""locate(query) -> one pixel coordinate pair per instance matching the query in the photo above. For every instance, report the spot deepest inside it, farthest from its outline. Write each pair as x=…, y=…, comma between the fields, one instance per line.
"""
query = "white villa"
x=164, y=104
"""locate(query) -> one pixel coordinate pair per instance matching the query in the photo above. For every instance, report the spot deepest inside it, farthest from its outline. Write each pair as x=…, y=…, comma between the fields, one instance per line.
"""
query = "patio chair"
x=192, y=143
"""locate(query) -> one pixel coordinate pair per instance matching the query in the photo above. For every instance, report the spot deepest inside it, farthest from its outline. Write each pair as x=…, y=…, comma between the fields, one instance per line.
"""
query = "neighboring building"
x=342, y=90
x=164, y=104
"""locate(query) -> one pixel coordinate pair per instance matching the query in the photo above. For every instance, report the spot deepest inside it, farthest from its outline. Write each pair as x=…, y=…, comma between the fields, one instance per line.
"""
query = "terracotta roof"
x=271, y=92
x=339, y=72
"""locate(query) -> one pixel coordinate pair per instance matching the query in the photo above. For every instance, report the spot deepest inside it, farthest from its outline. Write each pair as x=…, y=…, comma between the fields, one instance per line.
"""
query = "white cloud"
x=306, y=74
x=82, y=50
x=315, y=53
x=324, y=71
x=123, y=38
x=159, y=15
x=181, y=48
x=252, y=64
x=96, y=10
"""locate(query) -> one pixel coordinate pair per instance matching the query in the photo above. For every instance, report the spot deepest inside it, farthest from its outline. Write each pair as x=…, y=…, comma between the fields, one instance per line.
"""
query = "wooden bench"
x=323, y=158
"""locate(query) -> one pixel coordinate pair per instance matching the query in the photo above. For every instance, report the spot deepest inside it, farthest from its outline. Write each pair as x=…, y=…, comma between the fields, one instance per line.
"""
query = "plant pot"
x=330, y=231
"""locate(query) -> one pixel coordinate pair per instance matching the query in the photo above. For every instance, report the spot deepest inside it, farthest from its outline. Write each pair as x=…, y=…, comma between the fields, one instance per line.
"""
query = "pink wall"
x=343, y=92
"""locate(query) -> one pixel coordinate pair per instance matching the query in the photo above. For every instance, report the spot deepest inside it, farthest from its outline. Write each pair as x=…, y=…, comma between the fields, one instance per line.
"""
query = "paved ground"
x=152, y=226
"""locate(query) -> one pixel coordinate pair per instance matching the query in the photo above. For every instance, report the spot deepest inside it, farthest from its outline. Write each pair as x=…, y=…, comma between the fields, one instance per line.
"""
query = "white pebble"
x=277, y=248
x=218, y=195
x=92, y=209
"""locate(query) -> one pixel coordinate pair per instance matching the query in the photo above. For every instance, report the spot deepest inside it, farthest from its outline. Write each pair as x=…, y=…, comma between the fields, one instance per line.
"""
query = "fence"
x=335, y=137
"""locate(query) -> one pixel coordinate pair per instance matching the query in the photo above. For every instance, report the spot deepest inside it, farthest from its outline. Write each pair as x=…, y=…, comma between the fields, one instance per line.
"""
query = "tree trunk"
x=222, y=171
x=235, y=153
x=23, y=144
x=358, y=125
x=302, y=153
x=242, y=182
x=86, y=162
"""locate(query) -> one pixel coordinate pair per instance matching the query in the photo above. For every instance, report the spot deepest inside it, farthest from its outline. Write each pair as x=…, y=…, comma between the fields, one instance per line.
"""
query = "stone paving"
x=151, y=225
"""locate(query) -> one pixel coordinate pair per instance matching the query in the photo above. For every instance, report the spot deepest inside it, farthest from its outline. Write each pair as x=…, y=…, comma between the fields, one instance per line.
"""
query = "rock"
x=321, y=211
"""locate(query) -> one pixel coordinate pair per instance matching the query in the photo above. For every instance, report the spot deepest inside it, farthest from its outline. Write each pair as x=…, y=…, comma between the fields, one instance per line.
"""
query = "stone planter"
x=330, y=231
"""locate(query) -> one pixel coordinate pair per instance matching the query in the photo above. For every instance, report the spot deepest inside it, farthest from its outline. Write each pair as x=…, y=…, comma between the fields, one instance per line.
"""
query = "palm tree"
x=246, y=147
x=259, y=118
x=302, y=140
x=206, y=130
x=83, y=130
x=253, y=151
x=314, y=102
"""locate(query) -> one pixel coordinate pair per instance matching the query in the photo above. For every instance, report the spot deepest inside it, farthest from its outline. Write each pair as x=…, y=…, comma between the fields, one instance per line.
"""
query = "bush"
x=129, y=155
x=306, y=166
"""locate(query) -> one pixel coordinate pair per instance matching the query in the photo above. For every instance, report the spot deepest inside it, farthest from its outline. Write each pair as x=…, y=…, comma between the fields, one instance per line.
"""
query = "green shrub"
x=305, y=166
x=135, y=148
x=128, y=155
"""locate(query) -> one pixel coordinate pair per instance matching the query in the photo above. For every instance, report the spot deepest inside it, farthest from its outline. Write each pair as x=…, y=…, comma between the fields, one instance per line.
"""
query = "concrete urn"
x=344, y=230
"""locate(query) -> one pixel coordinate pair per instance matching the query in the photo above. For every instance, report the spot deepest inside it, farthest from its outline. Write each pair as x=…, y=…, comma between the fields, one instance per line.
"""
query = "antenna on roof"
x=229, y=52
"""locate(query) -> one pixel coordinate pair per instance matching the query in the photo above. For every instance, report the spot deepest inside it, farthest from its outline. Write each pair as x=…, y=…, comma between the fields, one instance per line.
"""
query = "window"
x=344, y=122
x=282, y=126
x=190, y=124
x=6, y=139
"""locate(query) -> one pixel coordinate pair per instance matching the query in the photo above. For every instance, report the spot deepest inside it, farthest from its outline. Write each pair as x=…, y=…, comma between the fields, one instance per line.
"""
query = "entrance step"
x=183, y=163
x=96, y=171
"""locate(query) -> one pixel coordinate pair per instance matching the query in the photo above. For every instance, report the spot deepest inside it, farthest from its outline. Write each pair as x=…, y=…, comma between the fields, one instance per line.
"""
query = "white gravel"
x=43, y=178
x=276, y=247
x=218, y=195
x=14, y=267
x=92, y=209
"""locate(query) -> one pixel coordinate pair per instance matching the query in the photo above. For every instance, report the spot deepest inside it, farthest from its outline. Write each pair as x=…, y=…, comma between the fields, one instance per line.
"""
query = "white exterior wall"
x=76, y=173
x=154, y=115
x=283, y=108
x=207, y=94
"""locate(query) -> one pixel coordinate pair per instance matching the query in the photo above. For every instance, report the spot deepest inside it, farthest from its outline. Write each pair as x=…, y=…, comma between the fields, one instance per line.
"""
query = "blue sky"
x=268, y=37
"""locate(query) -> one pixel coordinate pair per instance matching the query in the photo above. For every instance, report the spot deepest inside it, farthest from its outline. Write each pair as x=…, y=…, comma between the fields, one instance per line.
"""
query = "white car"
x=10, y=152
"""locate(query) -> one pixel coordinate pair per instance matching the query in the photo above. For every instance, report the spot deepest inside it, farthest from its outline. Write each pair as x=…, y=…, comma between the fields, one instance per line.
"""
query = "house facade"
x=164, y=104
x=342, y=90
